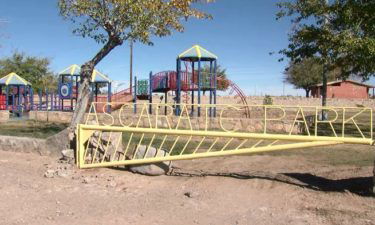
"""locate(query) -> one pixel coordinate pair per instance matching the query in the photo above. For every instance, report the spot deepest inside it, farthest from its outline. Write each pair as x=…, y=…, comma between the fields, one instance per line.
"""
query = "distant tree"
x=306, y=73
x=340, y=32
x=33, y=69
x=49, y=83
x=221, y=73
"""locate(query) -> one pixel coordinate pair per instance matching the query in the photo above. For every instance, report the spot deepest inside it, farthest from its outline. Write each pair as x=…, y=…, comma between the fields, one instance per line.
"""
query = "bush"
x=267, y=100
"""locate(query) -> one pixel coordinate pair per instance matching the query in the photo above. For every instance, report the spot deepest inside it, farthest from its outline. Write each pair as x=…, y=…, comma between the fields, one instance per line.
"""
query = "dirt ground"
x=260, y=189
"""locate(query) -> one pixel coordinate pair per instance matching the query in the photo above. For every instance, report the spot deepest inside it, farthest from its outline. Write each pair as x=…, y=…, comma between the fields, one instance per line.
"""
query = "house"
x=343, y=89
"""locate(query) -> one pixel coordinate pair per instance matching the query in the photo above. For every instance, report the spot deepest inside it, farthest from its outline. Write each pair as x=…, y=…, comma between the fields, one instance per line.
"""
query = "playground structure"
x=69, y=84
x=196, y=72
x=15, y=93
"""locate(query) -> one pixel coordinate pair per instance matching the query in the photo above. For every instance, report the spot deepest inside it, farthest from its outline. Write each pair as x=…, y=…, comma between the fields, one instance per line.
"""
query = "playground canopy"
x=197, y=53
x=96, y=77
x=13, y=79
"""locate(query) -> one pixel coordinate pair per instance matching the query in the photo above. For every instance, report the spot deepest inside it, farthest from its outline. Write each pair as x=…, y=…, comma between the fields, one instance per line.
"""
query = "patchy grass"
x=31, y=128
x=336, y=155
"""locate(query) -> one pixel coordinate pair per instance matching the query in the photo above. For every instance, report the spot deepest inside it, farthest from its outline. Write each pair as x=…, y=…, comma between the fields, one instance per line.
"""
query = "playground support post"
x=96, y=92
x=13, y=100
x=26, y=99
x=178, y=93
x=211, y=88
x=192, y=90
x=166, y=95
x=135, y=94
x=109, y=97
x=150, y=93
x=199, y=87
x=215, y=85
x=6, y=97
x=19, y=98
x=31, y=92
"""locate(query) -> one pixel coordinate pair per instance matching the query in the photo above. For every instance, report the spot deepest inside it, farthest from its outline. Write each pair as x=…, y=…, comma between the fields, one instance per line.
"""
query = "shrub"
x=267, y=100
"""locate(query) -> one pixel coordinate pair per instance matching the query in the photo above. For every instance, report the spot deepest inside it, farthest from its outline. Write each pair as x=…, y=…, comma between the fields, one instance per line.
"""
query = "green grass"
x=31, y=128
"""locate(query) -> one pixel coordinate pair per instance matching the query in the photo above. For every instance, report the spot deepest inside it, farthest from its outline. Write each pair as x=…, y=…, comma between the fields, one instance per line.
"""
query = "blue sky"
x=242, y=34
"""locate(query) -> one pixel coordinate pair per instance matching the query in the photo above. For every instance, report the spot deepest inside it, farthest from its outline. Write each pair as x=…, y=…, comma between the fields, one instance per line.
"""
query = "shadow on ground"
x=357, y=185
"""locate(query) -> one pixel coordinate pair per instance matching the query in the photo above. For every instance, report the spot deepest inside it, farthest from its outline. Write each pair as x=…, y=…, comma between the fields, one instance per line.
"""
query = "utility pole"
x=325, y=66
x=131, y=68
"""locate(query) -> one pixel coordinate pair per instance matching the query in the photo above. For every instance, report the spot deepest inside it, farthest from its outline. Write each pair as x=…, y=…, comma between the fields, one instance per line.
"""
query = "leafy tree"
x=306, y=73
x=49, y=83
x=33, y=69
x=112, y=22
x=221, y=73
x=340, y=32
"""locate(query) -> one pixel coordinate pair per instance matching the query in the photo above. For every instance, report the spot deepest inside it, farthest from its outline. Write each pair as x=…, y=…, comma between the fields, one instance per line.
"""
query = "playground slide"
x=234, y=89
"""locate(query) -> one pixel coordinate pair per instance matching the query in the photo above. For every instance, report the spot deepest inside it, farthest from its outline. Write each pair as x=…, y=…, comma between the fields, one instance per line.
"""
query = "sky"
x=242, y=34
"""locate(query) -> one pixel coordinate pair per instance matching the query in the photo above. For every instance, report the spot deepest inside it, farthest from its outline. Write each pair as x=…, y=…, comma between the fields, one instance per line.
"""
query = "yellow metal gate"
x=149, y=133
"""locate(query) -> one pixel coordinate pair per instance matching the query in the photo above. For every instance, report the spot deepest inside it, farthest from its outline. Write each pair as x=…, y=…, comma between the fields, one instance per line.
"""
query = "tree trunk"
x=84, y=87
x=131, y=67
x=83, y=98
x=307, y=90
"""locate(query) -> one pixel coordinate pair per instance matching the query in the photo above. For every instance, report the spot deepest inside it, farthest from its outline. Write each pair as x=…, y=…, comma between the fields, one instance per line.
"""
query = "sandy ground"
x=272, y=190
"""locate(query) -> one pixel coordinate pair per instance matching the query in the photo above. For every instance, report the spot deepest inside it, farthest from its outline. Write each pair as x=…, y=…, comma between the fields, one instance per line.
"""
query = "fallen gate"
x=150, y=133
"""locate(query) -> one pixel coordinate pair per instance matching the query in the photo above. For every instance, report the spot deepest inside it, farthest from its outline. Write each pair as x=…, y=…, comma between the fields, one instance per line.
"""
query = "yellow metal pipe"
x=212, y=154
x=349, y=140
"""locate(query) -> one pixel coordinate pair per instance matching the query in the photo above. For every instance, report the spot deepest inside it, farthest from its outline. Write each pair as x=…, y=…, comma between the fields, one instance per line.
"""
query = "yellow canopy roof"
x=13, y=79
x=197, y=52
x=95, y=77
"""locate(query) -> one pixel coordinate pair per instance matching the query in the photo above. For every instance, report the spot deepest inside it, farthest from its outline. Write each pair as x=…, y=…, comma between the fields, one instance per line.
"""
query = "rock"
x=188, y=194
x=58, y=142
x=86, y=180
x=191, y=194
x=49, y=174
x=68, y=154
x=155, y=169
x=105, y=143
x=24, y=144
x=63, y=173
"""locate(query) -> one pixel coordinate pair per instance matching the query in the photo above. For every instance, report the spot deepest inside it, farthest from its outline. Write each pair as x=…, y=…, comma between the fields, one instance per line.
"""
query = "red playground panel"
x=2, y=102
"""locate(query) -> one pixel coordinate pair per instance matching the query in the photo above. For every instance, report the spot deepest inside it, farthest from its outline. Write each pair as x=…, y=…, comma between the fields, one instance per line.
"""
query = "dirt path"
x=275, y=190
